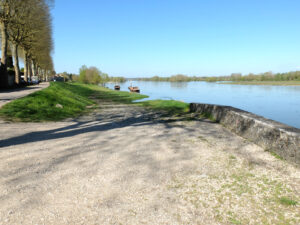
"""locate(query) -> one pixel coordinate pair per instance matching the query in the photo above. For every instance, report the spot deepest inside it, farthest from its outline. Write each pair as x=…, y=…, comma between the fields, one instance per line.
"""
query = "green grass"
x=273, y=83
x=106, y=94
x=234, y=221
x=274, y=154
x=41, y=105
x=287, y=201
x=75, y=97
x=208, y=116
x=169, y=106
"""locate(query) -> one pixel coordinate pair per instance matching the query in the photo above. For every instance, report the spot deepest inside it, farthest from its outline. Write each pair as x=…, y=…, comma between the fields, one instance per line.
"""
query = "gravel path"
x=9, y=95
x=125, y=165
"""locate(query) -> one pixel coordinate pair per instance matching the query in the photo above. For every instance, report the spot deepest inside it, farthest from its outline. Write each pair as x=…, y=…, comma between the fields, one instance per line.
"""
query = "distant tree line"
x=174, y=78
x=26, y=32
x=117, y=79
x=268, y=76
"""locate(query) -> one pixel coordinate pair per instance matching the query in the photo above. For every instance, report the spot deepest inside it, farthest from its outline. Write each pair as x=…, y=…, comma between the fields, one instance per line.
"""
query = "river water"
x=280, y=103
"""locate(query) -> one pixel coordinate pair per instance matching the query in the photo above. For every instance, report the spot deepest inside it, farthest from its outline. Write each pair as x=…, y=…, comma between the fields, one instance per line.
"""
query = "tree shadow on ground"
x=13, y=90
x=135, y=165
x=29, y=174
x=112, y=122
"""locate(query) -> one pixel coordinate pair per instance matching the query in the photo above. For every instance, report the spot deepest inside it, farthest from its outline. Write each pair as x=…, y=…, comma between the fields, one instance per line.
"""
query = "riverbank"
x=67, y=100
x=278, y=138
x=58, y=101
x=279, y=103
x=272, y=83
x=123, y=163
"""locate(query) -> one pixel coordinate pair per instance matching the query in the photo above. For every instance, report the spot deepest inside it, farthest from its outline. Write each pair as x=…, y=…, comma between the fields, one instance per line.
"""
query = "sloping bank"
x=56, y=102
x=275, y=137
x=69, y=100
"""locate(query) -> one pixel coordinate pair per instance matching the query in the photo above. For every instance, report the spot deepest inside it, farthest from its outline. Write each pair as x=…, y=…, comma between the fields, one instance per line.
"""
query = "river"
x=280, y=103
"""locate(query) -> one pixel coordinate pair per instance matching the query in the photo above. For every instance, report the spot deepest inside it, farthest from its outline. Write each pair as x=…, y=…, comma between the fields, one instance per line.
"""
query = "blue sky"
x=142, y=38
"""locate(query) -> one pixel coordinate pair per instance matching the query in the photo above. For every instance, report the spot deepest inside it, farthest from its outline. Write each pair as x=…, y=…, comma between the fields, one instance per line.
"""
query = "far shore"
x=273, y=83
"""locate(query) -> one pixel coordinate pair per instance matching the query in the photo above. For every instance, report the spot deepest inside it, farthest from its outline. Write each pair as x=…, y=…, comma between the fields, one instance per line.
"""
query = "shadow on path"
x=18, y=89
x=71, y=130
x=113, y=122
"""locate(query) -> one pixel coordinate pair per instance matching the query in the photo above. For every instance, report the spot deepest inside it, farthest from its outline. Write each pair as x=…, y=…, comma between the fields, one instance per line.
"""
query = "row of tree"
x=268, y=76
x=26, y=31
x=117, y=79
x=174, y=78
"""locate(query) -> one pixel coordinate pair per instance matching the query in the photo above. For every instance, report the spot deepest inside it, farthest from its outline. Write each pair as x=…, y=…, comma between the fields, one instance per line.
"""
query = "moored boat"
x=117, y=87
x=134, y=89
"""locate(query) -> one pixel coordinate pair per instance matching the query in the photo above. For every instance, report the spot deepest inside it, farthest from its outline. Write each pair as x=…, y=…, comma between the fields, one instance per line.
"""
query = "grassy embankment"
x=41, y=105
x=75, y=100
x=170, y=106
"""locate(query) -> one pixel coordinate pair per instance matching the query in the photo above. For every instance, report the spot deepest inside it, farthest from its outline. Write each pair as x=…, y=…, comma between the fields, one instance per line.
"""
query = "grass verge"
x=169, y=106
x=105, y=94
x=74, y=99
x=42, y=105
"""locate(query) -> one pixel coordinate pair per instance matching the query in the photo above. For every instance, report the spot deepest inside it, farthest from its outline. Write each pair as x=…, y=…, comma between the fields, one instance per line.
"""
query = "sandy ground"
x=9, y=95
x=126, y=165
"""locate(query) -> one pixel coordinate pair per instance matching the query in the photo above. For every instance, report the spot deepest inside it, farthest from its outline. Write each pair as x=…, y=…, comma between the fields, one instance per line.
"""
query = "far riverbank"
x=272, y=83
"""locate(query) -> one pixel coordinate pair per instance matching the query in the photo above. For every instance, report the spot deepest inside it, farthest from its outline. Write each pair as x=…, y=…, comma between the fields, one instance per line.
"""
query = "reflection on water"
x=178, y=85
x=281, y=103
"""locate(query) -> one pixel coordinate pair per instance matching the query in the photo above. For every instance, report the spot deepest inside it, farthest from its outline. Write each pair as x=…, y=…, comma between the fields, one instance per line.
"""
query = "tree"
x=5, y=16
x=27, y=26
x=38, y=44
x=82, y=74
x=92, y=75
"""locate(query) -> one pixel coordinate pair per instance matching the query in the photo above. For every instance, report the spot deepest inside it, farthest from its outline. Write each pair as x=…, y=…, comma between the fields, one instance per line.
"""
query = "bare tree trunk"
x=30, y=69
x=3, y=28
x=40, y=72
x=3, y=69
x=33, y=68
x=16, y=63
x=38, y=69
x=47, y=75
x=44, y=75
x=26, y=68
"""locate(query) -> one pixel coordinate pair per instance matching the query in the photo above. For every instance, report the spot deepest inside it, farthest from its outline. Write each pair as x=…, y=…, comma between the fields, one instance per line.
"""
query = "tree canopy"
x=26, y=27
x=92, y=75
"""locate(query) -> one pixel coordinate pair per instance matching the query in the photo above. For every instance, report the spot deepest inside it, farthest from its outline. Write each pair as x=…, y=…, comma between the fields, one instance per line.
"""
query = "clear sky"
x=141, y=38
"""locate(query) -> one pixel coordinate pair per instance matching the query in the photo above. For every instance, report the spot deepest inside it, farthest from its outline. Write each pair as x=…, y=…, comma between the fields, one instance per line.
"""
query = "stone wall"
x=271, y=135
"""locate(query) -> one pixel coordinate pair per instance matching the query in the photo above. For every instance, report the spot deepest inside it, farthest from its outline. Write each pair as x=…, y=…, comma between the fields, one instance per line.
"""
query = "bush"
x=91, y=75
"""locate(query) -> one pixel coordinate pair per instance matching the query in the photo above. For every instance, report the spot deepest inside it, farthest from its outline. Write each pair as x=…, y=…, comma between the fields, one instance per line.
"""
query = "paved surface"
x=9, y=95
x=125, y=165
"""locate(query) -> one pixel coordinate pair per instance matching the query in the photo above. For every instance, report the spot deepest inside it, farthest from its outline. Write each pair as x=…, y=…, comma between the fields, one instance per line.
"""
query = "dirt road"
x=9, y=95
x=126, y=165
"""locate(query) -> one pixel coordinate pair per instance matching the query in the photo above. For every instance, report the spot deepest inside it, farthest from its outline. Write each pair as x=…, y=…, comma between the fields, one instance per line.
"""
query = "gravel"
x=127, y=165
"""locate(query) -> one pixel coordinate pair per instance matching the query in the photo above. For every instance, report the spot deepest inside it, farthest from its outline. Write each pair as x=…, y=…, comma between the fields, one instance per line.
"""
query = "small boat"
x=134, y=89
x=117, y=87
